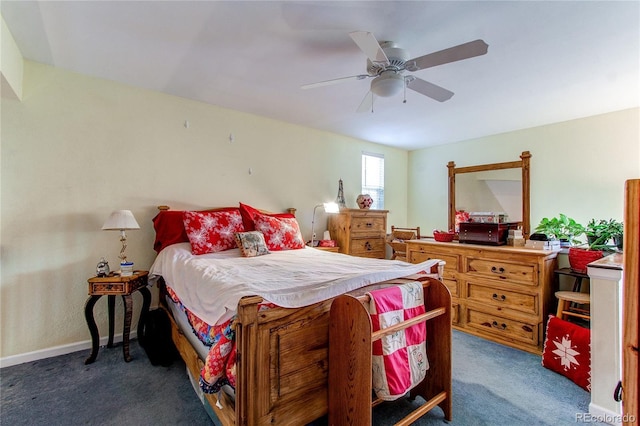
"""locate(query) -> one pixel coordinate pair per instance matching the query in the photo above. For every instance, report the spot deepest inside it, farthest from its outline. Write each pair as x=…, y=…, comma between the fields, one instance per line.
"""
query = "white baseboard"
x=604, y=415
x=59, y=350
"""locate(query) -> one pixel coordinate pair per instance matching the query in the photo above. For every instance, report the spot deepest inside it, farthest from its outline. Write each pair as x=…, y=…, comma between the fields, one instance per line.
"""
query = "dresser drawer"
x=503, y=299
x=368, y=247
x=371, y=224
x=450, y=267
x=501, y=327
x=452, y=285
x=501, y=270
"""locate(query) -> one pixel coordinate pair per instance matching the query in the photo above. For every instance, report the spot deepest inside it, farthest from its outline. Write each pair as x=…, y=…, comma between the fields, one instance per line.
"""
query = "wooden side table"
x=112, y=286
x=330, y=249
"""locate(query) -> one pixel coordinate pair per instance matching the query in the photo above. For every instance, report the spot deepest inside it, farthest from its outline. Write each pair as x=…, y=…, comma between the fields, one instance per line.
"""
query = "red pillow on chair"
x=567, y=351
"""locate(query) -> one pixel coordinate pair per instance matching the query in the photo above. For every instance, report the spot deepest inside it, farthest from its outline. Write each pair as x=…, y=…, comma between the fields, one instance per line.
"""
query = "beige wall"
x=77, y=148
x=578, y=168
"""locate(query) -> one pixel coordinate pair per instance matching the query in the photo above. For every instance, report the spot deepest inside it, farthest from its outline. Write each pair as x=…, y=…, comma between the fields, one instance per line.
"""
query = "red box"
x=327, y=243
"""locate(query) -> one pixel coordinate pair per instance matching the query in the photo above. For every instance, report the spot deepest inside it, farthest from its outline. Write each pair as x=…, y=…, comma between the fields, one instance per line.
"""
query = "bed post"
x=438, y=348
x=350, y=363
x=247, y=352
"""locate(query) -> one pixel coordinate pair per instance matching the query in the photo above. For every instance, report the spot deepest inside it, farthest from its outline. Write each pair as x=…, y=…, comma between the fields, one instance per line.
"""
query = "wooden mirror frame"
x=523, y=164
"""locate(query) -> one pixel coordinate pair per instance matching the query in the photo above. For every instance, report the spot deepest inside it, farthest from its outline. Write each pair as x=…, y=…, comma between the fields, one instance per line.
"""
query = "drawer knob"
x=367, y=246
x=497, y=270
x=500, y=298
x=502, y=326
x=368, y=224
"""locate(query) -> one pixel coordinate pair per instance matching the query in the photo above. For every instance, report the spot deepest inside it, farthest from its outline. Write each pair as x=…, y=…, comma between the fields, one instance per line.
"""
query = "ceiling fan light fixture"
x=387, y=84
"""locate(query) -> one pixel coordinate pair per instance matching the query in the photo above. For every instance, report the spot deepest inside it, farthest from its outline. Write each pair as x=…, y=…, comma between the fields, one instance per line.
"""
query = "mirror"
x=497, y=187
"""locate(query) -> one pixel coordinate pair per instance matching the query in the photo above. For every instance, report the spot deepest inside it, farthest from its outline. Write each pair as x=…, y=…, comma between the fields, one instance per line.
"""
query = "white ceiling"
x=547, y=61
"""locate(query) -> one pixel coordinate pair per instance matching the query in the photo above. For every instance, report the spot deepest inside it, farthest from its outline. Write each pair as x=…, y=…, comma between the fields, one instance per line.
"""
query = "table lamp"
x=121, y=220
x=328, y=208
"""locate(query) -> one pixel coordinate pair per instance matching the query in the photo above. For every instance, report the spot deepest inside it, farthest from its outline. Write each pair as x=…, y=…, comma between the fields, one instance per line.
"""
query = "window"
x=373, y=178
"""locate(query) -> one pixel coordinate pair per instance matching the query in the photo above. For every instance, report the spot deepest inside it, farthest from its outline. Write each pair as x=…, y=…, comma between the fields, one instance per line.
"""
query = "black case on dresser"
x=494, y=234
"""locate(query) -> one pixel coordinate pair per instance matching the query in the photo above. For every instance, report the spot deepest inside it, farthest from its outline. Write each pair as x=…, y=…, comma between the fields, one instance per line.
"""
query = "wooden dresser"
x=360, y=232
x=501, y=293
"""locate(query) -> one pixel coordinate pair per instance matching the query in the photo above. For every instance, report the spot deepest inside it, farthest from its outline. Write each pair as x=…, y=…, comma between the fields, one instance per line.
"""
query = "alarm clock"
x=102, y=268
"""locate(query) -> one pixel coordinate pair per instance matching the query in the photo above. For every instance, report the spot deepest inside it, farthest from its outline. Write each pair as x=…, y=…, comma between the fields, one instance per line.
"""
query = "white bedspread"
x=211, y=285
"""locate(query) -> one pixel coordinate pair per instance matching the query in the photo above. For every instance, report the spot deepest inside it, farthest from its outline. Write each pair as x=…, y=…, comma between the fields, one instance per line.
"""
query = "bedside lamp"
x=121, y=220
x=328, y=208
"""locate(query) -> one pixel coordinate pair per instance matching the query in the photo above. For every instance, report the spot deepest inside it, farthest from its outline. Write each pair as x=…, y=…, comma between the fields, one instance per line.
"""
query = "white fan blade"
x=334, y=81
x=367, y=42
x=428, y=89
x=452, y=54
x=367, y=103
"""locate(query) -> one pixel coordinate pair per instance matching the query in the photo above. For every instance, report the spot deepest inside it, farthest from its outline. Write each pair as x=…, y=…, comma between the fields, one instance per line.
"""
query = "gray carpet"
x=493, y=385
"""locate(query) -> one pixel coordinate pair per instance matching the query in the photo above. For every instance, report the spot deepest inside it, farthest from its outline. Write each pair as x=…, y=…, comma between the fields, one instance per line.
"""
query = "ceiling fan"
x=386, y=64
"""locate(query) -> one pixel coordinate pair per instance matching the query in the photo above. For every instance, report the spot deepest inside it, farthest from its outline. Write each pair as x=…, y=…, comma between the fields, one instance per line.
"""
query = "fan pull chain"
x=405, y=92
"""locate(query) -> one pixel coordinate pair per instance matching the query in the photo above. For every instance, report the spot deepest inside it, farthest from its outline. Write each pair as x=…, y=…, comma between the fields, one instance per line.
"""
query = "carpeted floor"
x=492, y=385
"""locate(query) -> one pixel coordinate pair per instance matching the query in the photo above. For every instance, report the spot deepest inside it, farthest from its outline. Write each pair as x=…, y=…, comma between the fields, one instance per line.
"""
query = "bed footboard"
x=282, y=361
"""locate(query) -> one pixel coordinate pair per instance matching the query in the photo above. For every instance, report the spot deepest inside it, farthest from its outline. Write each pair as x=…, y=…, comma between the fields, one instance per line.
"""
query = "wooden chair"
x=396, y=240
x=567, y=301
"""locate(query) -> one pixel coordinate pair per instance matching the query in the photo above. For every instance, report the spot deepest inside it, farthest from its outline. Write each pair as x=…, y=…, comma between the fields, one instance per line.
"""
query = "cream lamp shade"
x=121, y=220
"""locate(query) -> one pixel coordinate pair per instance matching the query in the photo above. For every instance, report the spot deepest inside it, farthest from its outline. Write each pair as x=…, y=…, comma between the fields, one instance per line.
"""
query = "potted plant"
x=617, y=232
x=561, y=228
x=600, y=233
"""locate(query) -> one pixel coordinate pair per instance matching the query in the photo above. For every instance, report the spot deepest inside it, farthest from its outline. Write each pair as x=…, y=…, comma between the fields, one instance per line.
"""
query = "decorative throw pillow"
x=280, y=233
x=248, y=216
x=251, y=243
x=567, y=351
x=210, y=232
x=169, y=227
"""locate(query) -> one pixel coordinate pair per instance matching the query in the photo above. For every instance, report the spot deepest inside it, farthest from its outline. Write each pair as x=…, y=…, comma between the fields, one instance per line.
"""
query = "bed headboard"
x=290, y=210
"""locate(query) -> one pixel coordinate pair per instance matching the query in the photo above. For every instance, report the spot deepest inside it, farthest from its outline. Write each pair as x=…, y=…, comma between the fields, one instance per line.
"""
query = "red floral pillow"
x=567, y=351
x=210, y=232
x=280, y=233
x=249, y=213
x=169, y=227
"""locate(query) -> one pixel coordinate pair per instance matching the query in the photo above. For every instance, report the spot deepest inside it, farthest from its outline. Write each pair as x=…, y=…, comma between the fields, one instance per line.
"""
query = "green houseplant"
x=561, y=228
x=600, y=233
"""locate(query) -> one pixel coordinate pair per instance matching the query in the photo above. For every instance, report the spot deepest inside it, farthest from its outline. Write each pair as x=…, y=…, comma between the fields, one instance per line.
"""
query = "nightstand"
x=112, y=286
x=330, y=249
x=360, y=232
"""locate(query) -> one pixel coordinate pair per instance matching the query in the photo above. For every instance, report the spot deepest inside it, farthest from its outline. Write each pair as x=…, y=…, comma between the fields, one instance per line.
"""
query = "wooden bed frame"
x=282, y=359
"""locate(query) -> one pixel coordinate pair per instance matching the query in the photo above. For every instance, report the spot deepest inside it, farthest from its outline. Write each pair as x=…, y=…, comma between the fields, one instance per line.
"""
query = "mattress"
x=182, y=321
x=211, y=285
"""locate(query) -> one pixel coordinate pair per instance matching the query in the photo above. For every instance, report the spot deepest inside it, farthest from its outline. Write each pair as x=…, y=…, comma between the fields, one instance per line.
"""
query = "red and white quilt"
x=399, y=359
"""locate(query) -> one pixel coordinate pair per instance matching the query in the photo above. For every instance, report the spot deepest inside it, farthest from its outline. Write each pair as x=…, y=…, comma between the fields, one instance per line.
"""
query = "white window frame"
x=373, y=178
